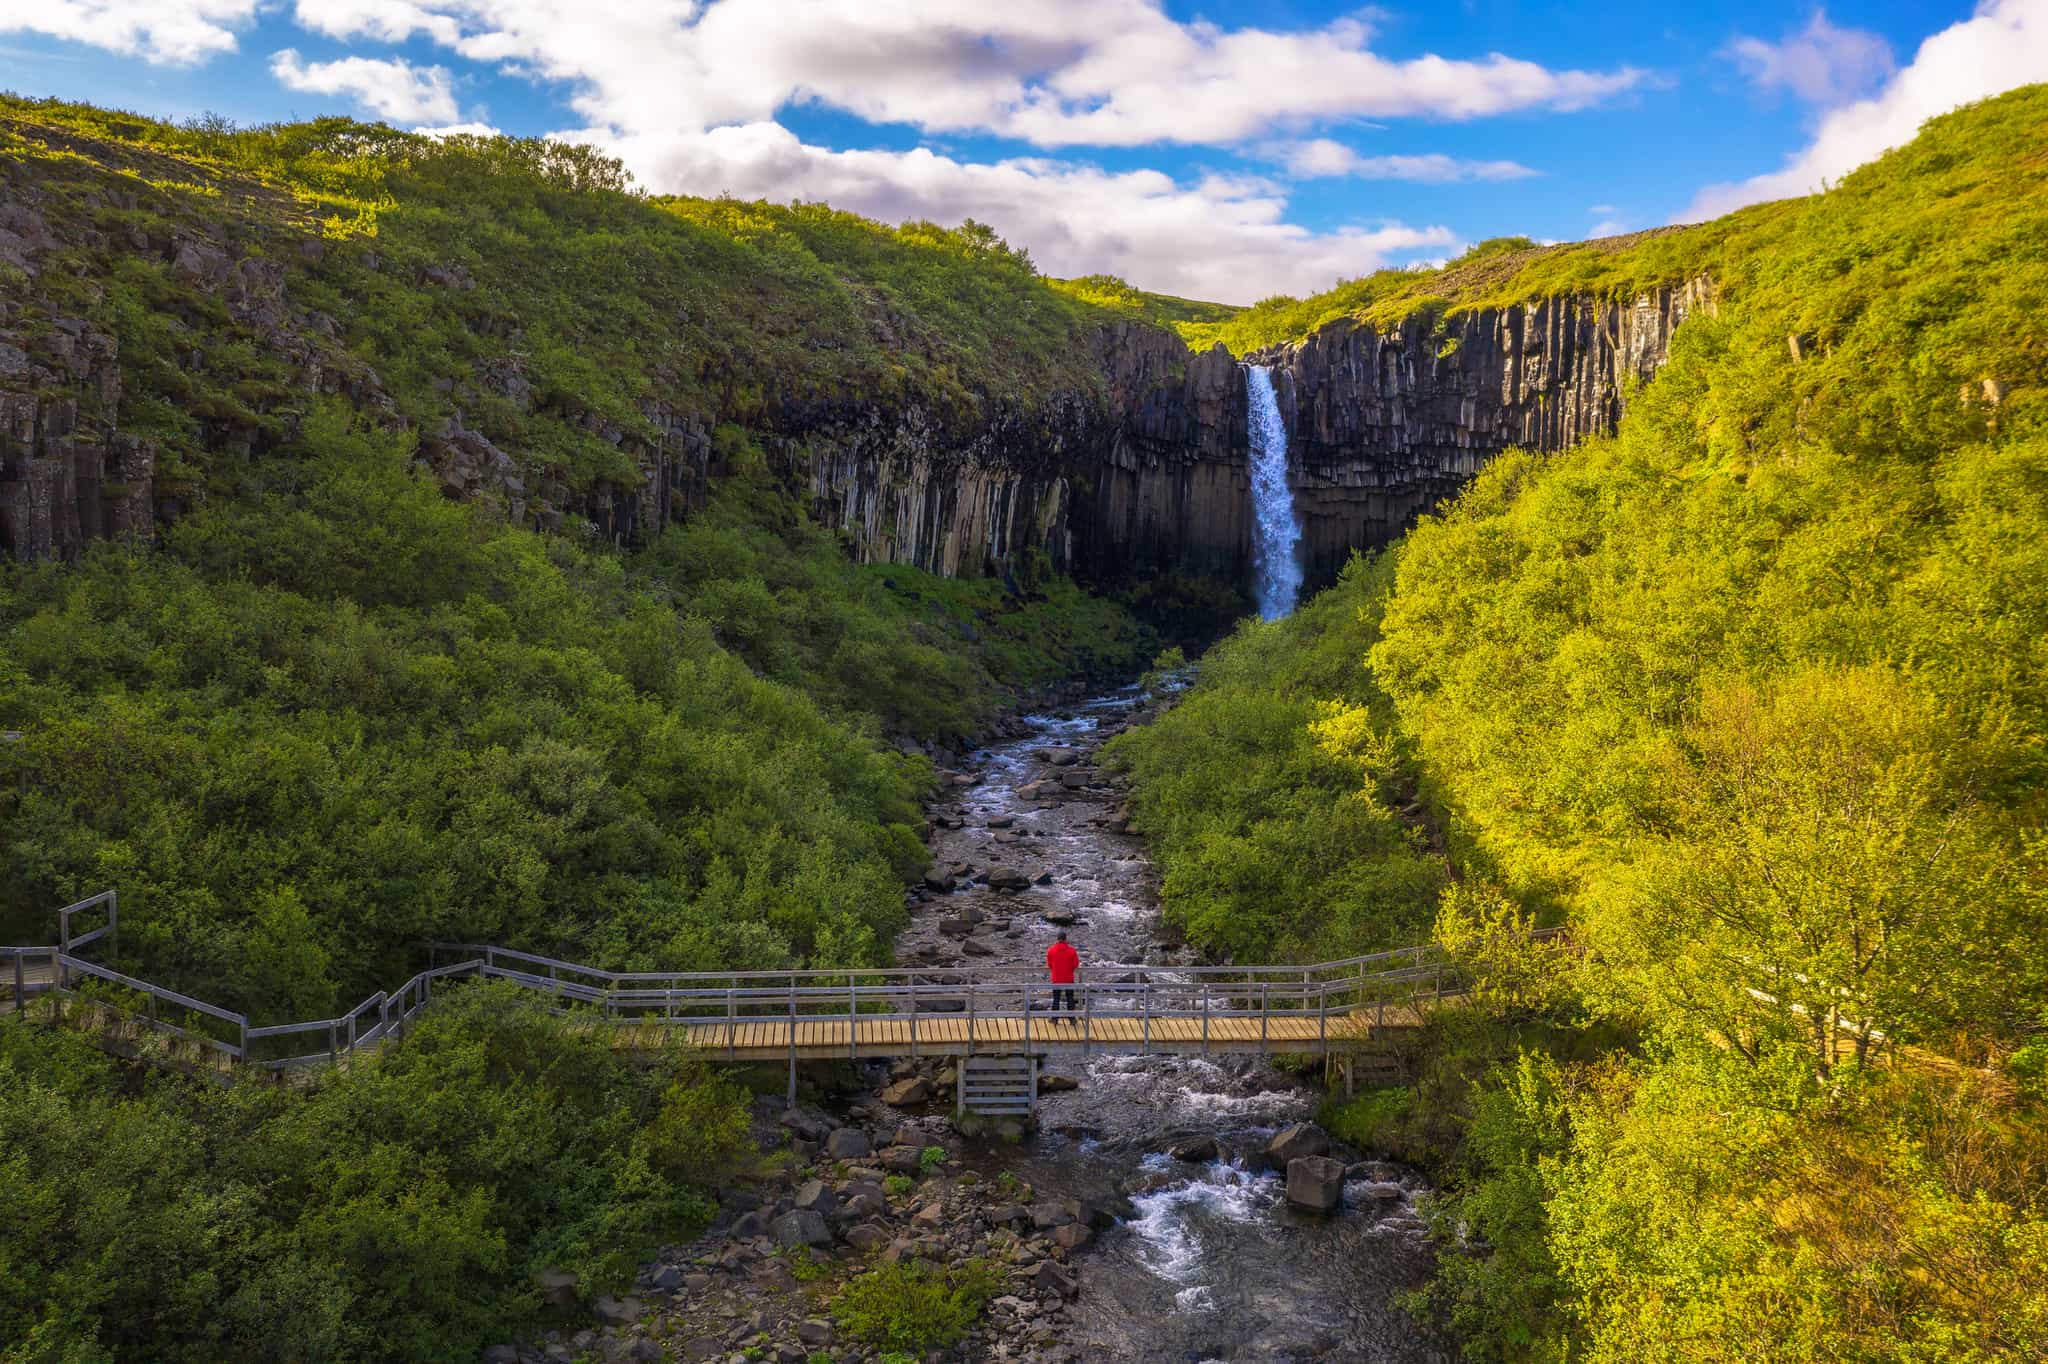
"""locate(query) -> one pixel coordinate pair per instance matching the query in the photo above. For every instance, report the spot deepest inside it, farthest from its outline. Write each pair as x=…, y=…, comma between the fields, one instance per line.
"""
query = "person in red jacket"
x=1061, y=961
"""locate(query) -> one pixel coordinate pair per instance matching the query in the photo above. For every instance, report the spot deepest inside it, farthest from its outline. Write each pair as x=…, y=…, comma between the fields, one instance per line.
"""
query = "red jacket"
x=1061, y=960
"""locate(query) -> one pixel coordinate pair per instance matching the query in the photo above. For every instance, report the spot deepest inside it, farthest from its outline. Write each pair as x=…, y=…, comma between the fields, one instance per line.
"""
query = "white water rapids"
x=1275, y=532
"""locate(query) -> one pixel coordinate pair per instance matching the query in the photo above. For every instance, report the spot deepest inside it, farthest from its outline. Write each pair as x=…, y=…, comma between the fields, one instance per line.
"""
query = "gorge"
x=1120, y=455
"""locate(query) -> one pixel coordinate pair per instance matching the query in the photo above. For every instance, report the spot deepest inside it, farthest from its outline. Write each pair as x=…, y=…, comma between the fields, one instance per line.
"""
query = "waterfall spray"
x=1275, y=533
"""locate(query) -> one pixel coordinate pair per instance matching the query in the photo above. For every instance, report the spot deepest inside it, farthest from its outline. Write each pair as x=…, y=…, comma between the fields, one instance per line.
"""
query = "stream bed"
x=1213, y=1265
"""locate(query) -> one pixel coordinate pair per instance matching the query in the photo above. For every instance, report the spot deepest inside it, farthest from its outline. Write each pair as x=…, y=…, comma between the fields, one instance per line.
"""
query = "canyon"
x=1124, y=454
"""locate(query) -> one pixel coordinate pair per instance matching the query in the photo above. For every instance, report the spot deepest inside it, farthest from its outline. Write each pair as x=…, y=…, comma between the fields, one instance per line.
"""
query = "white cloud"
x=388, y=21
x=178, y=32
x=1051, y=72
x=687, y=91
x=393, y=89
x=1224, y=239
x=2003, y=45
x=1821, y=64
x=1607, y=227
x=460, y=130
x=1322, y=158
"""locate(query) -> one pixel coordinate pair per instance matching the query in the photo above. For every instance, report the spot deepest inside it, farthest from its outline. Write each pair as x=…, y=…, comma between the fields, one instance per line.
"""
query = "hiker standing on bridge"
x=1061, y=961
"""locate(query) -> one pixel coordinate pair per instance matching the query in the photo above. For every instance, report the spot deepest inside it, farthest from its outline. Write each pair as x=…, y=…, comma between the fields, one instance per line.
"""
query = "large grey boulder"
x=1293, y=1142
x=848, y=1143
x=904, y=1093
x=802, y=1228
x=1315, y=1183
x=817, y=1196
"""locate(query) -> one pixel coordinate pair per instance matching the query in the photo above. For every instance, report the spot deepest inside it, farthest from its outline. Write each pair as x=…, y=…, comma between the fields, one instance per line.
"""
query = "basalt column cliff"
x=1153, y=476
x=1383, y=425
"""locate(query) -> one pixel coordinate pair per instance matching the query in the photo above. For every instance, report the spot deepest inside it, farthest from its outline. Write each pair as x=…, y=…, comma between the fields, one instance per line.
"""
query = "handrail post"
x=731, y=1025
x=20, y=986
x=970, y=1018
x=1027, y=1018
x=852, y=1017
x=1145, y=1005
x=1323, y=1019
x=333, y=1041
x=1087, y=1018
x=913, y=1020
x=792, y=1041
x=1264, y=1007
x=1205, y=1015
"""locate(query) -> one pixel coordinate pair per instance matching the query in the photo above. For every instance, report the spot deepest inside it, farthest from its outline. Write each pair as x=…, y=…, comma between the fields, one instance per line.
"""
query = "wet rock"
x=1045, y=1216
x=1381, y=1192
x=1062, y=917
x=814, y=1332
x=1295, y=1141
x=666, y=1279
x=1001, y=821
x=1073, y=1236
x=1057, y=1084
x=1315, y=1183
x=1198, y=1151
x=1005, y=878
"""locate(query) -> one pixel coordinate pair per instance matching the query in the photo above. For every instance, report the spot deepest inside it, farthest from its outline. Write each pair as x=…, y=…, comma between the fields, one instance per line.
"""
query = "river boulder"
x=1315, y=1183
x=1295, y=1141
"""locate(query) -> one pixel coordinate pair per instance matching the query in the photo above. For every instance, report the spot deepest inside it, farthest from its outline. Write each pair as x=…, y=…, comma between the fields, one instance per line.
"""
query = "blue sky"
x=1226, y=150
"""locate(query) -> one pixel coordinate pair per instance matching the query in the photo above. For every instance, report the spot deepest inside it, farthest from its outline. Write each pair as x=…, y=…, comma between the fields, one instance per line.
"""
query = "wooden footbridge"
x=1329, y=1009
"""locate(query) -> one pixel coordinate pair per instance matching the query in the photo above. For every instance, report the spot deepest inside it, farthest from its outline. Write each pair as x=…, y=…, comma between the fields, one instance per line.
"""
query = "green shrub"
x=395, y=1209
x=914, y=1305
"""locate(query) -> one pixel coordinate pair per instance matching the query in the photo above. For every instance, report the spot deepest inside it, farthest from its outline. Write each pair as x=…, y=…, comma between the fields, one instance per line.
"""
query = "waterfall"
x=1275, y=533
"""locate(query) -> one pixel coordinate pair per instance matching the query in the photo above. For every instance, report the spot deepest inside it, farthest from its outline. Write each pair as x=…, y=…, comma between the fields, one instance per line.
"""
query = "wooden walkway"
x=1048, y=1033
x=1329, y=1008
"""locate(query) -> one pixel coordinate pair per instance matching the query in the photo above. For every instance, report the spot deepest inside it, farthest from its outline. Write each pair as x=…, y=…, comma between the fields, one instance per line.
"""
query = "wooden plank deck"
x=957, y=1035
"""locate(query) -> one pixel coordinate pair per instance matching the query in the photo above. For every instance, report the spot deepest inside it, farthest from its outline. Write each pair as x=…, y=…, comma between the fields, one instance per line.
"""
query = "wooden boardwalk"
x=1329, y=1008
x=1048, y=1033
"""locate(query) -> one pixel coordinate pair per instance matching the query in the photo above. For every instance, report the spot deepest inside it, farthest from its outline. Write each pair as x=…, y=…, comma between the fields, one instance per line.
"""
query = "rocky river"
x=1208, y=1262
x=1144, y=1220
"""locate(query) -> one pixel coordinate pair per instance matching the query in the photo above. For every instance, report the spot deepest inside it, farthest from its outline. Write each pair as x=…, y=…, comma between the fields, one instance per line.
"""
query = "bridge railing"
x=1377, y=982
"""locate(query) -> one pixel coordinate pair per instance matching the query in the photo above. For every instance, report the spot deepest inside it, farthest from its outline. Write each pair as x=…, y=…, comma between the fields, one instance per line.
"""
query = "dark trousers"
x=1063, y=997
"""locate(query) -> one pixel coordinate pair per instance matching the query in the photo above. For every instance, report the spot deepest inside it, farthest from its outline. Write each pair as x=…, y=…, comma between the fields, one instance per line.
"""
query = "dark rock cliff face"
x=1141, y=471
x=1383, y=426
x=1152, y=475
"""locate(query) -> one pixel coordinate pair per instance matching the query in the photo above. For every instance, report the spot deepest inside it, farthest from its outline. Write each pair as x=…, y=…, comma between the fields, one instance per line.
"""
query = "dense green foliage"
x=521, y=284
x=331, y=721
x=333, y=714
x=1273, y=810
x=396, y=1211
x=915, y=1305
x=1751, y=695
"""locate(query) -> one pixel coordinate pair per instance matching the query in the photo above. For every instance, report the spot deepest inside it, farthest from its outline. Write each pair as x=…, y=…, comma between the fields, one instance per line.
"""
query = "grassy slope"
x=1503, y=271
x=1753, y=688
x=593, y=298
x=354, y=715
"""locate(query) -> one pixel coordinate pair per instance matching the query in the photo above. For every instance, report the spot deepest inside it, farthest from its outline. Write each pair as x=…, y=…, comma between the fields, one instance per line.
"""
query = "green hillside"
x=1751, y=696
